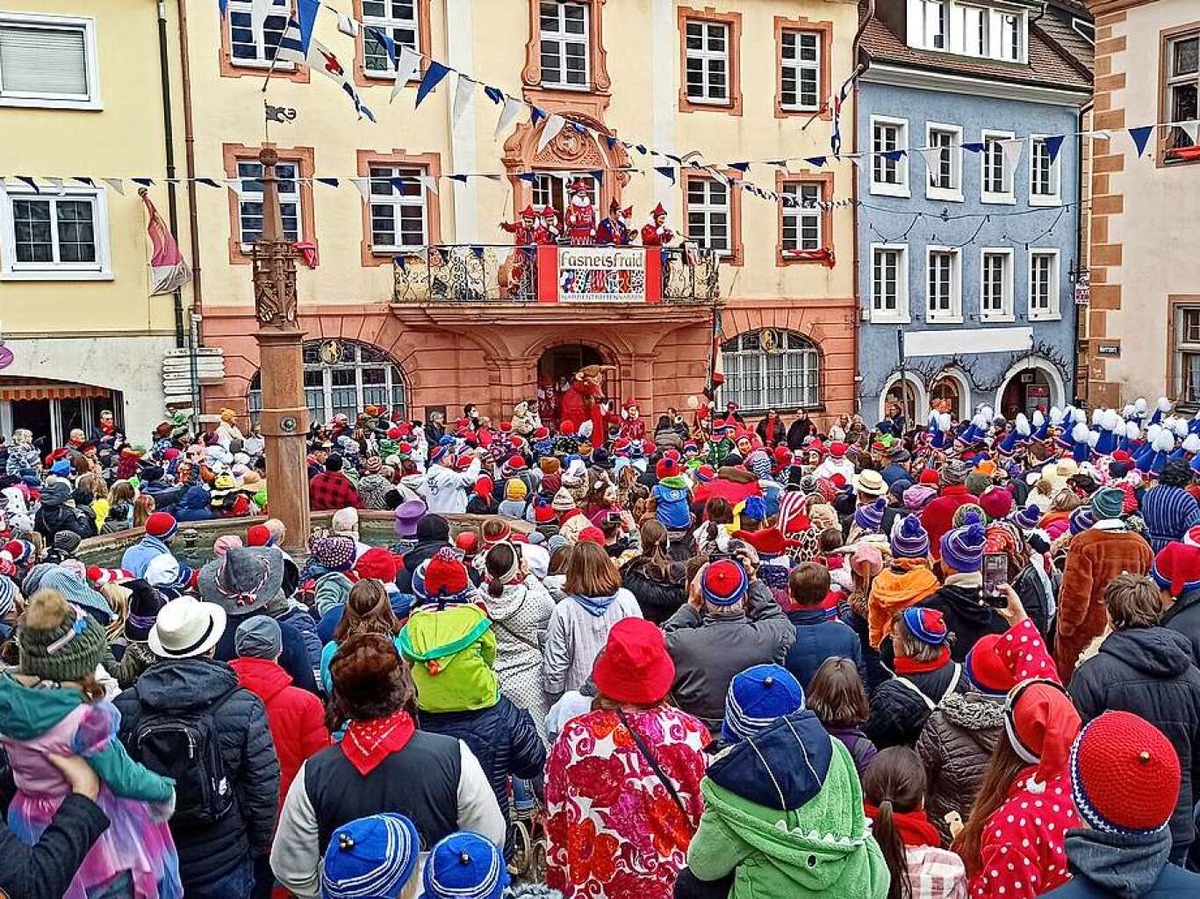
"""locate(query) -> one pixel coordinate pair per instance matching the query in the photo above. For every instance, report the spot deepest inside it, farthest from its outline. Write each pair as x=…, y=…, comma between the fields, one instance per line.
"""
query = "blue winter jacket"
x=818, y=639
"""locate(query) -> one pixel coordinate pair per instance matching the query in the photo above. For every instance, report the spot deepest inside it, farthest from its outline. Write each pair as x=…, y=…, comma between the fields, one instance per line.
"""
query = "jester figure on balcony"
x=584, y=399
x=612, y=230
x=548, y=231
x=656, y=233
x=581, y=215
x=523, y=259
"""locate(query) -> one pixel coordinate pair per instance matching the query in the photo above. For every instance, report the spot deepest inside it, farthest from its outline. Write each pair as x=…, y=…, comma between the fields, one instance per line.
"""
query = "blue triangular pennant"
x=582, y=129
x=598, y=174
x=399, y=183
x=975, y=147
x=527, y=177
x=83, y=180
x=893, y=155
x=678, y=160
x=666, y=171
x=536, y=115
x=494, y=94
x=742, y=167
x=478, y=251
x=208, y=182
x=330, y=182
x=462, y=178
x=1054, y=144
x=400, y=261
x=816, y=161
x=1141, y=137
x=25, y=179
x=389, y=45
x=144, y=182
x=433, y=77
x=223, y=6
x=306, y=13
x=641, y=148
x=611, y=141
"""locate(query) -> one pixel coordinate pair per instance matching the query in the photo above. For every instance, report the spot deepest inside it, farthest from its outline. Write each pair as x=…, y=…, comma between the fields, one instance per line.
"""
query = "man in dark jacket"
x=817, y=636
x=216, y=860
x=1176, y=570
x=1147, y=670
x=56, y=513
x=727, y=626
x=960, y=598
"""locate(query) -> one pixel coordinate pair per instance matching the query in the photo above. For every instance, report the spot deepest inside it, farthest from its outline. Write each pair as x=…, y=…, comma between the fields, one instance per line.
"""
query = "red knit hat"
x=591, y=534
x=567, y=427
x=782, y=458
x=445, y=575
x=1041, y=724
x=666, y=468
x=484, y=487
x=467, y=541
x=768, y=541
x=161, y=525
x=1177, y=568
x=98, y=577
x=258, y=535
x=996, y=502
x=542, y=513
x=378, y=563
x=837, y=449
x=634, y=666
x=987, y=669
x=1125, y=775
x=929, y=476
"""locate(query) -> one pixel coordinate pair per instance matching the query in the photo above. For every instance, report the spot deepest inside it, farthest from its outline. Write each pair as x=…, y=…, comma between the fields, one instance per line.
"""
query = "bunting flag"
x=1011, y=150
x=56, y=185
x=894, y=155
x=933, y=159
x=86, y=181
x=667, y=172
x=742, y=167
x=464, y=92
x=1191, y=129
x=115, y=184
x=835, y=104
x=346, y=25
x=168, y=271
x=494, y=94
x=433, y=77
x=536, y=114
x=1141, y=136
x=330, y=182
x=363, y=186
x=385, y=40
x=1053, y=145
x=144, y=182
x=408, y=67
x=429, y=183
x=815, y=161
x=321, y=59
x=364, y=111
x=512, y=108
x=554, y=124
x=974, y=147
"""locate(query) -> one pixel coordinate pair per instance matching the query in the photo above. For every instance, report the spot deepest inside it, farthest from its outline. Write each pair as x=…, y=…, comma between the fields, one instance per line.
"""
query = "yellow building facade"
x=78, y=105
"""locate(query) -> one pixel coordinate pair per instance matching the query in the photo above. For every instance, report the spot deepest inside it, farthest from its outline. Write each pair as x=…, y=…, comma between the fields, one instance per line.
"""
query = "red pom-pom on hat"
x=445, y=575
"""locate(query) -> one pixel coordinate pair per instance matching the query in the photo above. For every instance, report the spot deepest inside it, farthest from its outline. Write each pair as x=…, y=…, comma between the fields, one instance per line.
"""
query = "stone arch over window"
x=771, y=369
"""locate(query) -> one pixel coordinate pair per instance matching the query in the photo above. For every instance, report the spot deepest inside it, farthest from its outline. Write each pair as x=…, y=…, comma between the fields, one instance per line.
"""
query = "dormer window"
x=1011, y=37
x=934, y=24
x=968, y=29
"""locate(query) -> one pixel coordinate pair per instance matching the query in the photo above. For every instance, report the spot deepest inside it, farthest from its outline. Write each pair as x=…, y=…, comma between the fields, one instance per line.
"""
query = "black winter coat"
x=208, y=853
x=1149, y=672
x=818, y=639
x=968, y=617
x=1031, y=590
x=898, y=712
x=295, y=658
x=503, y=738
x=1184, y=618
x=657, y=599
x=49, y=520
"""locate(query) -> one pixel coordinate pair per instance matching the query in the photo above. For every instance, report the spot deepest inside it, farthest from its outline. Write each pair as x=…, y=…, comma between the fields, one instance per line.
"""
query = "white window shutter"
x=39, y=61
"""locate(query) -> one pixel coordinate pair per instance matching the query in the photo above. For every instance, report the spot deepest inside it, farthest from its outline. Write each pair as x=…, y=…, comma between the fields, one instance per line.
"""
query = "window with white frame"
x=943, y=292
x=254, y=40
x=399, y=218
x=944, y=161
x=800, y=70
x=802, y=215
x=59, y=236
x=1012, y=37
x=48, y=61
x=709, y=215
x=934, y=24
x=1182, y=68
x=565, y=45
x=786, y=376
x=398, y=20
x=997, y=181
x=996, y=284
x=1043, y=284
x=550, y=189
x=1043, y=173
x=889, y=283
x=707, y=56
x=975, y=22
x=250, y=200
x=889, y=173
x=1187, y=354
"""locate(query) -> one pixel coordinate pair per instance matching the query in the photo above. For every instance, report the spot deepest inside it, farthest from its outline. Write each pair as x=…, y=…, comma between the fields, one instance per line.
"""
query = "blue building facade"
x=968, y=230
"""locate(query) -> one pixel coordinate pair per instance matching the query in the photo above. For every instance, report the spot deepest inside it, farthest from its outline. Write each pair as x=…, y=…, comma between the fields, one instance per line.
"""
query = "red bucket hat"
x=634, y=666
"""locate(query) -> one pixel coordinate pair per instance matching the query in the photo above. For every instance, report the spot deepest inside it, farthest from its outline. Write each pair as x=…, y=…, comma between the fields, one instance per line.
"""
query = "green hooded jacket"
x=452, y=652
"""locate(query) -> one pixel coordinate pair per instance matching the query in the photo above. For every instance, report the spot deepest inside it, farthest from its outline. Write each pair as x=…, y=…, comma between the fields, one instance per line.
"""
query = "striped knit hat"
x=724, y=583
x=371, y=858
x=962, y=548
x=927, y=625
x=1081, y=520
x=757, y=698
x=464, y=865
x=870, y=516
x=1027, y=518
x=910, y=540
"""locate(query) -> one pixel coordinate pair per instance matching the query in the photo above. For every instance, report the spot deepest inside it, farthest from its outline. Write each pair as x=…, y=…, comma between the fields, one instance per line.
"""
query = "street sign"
x=1083, y=288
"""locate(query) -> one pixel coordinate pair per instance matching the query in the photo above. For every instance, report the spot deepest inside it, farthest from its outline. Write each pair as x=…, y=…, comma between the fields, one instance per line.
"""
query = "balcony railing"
x=489, y=273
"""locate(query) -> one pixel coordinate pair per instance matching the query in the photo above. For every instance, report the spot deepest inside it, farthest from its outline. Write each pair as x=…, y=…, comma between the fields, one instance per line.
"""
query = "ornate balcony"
x=472, y=274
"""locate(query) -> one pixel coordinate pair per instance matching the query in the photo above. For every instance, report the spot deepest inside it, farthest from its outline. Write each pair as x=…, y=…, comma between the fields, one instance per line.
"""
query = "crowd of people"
x=701, y=660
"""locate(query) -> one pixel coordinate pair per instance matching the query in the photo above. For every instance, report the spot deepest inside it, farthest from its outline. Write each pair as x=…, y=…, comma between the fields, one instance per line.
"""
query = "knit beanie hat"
x=66, y=542
x=918, y=496
x=759, y=463
x=910, y=540
x=754, y=509
x=515, y=489
x=1080, y=520
x=966, y=513
x=1107, y=502
x=144, y=604
x=378, y=563
x=370, y=858
x=162, y=525
x=987, y=668
x=258, y=535
x=667, y=467
x=464, y=865
x=1177, y=568
x=926, y=625
x=976, y=483
x=1125, y=775
x=1027, y=518
x=962, y=548
x=954, y=472
x=334, y=553
x=57, y=641
x=258, y=637
x=563, y=501
x=445, y=578
x=870, y=516
x=1041, y=724
x=757, y=697
x=724, y=583
x=996, y=502
x=929, y=477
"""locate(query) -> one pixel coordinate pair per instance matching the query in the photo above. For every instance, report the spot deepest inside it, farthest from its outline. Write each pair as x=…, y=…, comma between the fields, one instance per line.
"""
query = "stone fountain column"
x=284, y=416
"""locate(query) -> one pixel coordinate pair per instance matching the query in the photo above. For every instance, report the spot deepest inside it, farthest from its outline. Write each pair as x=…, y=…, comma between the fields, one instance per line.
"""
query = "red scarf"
x=914, y=827
x=367, y=743
x=905, y=665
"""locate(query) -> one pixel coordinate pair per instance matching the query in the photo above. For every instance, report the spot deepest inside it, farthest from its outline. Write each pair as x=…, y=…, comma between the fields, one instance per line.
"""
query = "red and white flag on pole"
x=168, y=271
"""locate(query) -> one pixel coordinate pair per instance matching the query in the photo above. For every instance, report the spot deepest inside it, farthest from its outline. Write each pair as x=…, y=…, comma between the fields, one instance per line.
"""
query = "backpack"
x=187, y=748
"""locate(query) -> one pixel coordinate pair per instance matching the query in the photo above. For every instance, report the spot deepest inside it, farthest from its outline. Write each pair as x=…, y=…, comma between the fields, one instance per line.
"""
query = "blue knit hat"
x=1081, y=519
x=755, y=508
x=759, y=463
x=724, y=583
x=870, y=516
x=465, y=866
x=1027, y=518
x=962, y=548
x=910, y=540
x=370, y=858
x=758, y=697
x=927, y=625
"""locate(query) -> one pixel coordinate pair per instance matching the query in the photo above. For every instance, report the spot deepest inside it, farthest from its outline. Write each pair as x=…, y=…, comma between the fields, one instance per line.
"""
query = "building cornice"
x=926, y=79
x=1104, y=7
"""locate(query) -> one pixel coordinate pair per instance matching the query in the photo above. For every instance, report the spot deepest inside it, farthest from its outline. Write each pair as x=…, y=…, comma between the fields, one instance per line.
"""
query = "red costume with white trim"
x=580, y=217
x=656, y=233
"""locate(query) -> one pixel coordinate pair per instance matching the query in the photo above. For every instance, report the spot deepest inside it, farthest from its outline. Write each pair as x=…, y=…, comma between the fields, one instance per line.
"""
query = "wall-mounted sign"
x=1112, y=350
x=6, y=357
x=1083, y=288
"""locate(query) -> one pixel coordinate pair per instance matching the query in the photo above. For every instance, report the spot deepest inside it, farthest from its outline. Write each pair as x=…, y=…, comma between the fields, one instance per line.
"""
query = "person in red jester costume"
x=633, y=426
x=612, y=230
x=580, y=217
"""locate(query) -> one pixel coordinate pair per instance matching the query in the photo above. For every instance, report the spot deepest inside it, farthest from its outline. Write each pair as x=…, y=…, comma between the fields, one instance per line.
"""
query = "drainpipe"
x=189, y=155
x=169, y=148
x=860, y=67
x=1082, y=253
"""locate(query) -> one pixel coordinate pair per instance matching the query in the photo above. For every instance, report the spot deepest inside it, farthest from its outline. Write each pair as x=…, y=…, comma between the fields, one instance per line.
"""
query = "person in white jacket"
x=444, y=489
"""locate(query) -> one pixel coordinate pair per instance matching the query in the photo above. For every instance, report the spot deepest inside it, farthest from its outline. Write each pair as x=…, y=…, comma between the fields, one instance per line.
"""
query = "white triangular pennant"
x=116, y=184
x=429, y=183
x=364, y=187
x=347, y=25
x=235, y=185
x=510, y=111
x=464, y=91
x=933, y=159
x=408, y=64
x=550, y=130
x=1191, y=129
x=1011, y=149
x=56, y=184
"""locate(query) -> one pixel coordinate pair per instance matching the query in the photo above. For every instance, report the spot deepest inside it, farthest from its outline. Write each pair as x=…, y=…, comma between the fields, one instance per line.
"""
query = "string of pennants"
x=297, y=44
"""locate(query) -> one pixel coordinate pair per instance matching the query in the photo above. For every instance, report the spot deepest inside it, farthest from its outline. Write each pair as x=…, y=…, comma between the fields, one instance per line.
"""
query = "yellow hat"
x=515, y=489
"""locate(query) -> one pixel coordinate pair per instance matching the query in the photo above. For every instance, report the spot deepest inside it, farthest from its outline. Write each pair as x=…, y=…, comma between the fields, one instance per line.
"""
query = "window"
x=250, y=201
x=63, y=236
x=1043, y=284
x=707, y=56
x=996, y=290
x=1183, y=84
x=564, y=30
x=48, y=61
x=889, y=173
x=889, y=283
x=997, y=174
x=803, y=220
x=1187, y=354
x=944, y=162
x=1085, y=29
x=398, y=215
x=933, y=24
x=976, y=24
x=785, y=376
x=944, y=292
x=800, y=70
x=398, y=20
x=359, y=375
x=709, y=216
x=1012, y=37
x=550, y=189
x=246, y=46
x=1043, y=174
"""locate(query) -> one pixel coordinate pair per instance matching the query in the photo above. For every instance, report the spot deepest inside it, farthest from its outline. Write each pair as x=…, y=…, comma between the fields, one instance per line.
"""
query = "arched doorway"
x=1030, y=385
x=913, y=403
x=951, y=394
x=555, y=369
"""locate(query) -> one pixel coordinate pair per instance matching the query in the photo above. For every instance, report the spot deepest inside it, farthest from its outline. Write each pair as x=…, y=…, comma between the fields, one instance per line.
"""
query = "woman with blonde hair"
x=143, y=508
x=368, y=611
x=580, y=624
